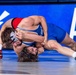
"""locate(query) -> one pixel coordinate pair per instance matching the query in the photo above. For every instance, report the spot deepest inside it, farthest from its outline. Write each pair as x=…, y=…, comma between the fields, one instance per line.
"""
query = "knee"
x=52, y=45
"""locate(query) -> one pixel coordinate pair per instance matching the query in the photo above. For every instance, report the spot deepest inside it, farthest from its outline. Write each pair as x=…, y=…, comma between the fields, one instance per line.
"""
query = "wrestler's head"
x=8, y=37
x=15, y=41
x=27, y=56
x=32, y=50
x=5, y=36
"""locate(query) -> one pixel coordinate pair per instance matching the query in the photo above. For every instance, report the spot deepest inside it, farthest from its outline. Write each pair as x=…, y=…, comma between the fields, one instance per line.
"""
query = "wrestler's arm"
x=18, y=49
x=44, y=26
x=34, y=37
x=5, y=25
x=42, y=21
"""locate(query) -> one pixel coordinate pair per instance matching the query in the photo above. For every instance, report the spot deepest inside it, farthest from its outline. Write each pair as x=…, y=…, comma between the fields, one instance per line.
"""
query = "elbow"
x=40, y=50
x=42, y=17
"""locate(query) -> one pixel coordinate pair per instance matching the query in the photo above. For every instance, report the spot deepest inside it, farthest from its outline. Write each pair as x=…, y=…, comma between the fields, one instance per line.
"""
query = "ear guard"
x=13, y=37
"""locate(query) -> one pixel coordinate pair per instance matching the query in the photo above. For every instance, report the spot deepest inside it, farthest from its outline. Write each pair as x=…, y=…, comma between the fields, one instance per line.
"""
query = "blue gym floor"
x=46, y=56
x=50, y=63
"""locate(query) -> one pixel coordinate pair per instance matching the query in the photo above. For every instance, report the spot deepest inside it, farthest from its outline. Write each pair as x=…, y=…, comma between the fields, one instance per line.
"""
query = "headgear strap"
x=13, y=36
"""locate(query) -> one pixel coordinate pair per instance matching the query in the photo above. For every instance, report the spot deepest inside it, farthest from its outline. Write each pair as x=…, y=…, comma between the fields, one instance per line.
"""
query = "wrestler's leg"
x=63, y=37
x=52, y=44
x=69, y=42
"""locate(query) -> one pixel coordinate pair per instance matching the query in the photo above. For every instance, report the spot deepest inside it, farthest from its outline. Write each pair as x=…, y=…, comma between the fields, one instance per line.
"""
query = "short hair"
x=24, y=56
x=5, y=37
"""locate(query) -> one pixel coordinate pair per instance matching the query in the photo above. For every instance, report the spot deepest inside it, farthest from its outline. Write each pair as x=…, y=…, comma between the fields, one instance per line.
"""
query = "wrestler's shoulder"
x=10, y=19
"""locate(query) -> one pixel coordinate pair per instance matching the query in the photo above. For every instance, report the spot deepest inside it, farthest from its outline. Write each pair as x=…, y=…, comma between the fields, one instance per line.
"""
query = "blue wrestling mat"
x=44, y=57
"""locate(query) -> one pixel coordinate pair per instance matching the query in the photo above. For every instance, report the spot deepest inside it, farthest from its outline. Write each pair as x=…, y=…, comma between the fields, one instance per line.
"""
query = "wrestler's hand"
x=19, y=35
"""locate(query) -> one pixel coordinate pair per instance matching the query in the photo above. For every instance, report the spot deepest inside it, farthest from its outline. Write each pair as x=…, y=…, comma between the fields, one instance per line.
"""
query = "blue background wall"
x=59, y=14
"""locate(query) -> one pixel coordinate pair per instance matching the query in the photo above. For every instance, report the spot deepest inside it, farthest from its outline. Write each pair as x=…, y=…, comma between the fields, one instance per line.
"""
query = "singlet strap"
x=28, y=30
x=29, y=43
